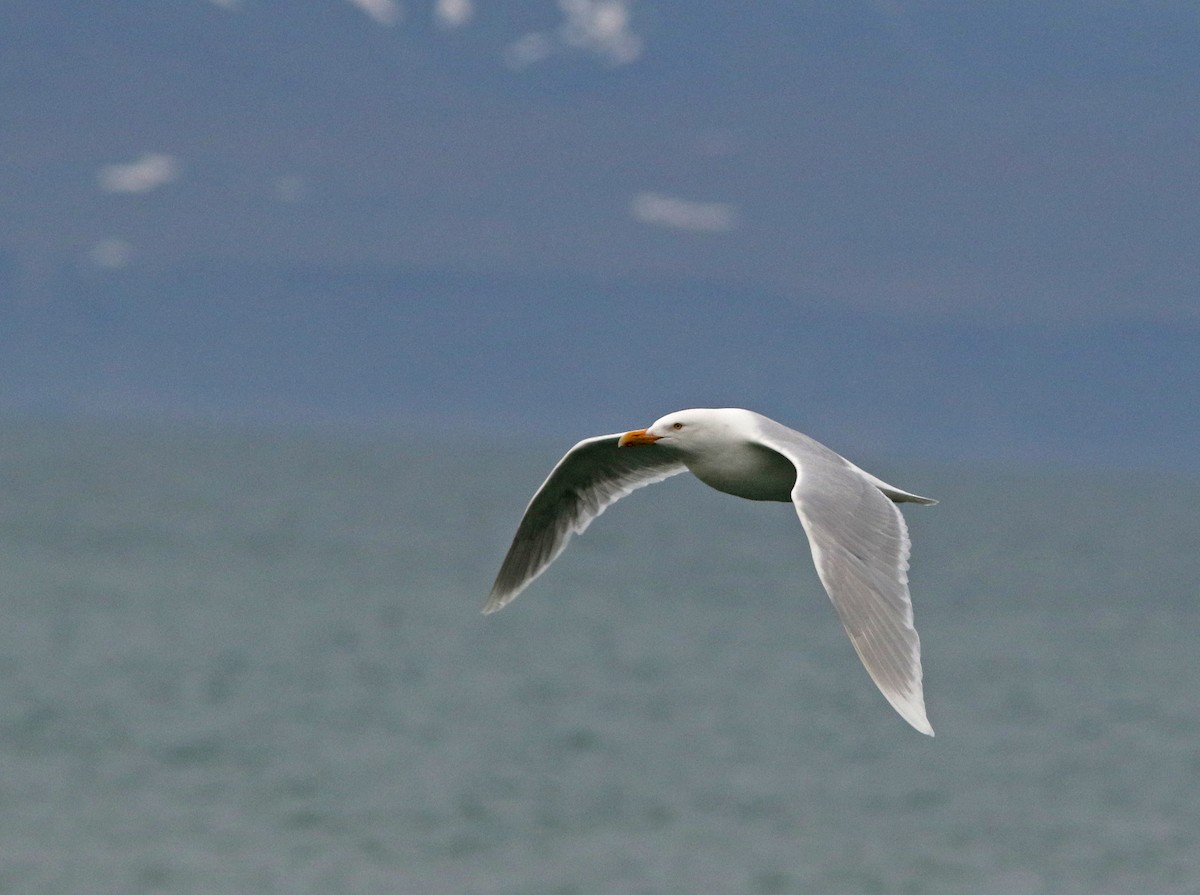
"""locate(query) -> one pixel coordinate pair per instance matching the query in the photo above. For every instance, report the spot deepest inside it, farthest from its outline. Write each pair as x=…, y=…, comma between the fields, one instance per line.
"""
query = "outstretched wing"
x=860, y=546
x=591, y=476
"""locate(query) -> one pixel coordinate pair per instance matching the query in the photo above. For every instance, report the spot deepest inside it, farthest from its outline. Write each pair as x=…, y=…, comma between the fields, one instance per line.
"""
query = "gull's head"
x=693, y=429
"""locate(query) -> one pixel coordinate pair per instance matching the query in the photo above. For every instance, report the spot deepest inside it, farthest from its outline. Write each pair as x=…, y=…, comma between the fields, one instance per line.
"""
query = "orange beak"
x=637, y=436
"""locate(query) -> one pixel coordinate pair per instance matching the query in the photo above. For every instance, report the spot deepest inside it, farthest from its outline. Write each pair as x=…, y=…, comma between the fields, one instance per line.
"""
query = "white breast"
x=746, y=470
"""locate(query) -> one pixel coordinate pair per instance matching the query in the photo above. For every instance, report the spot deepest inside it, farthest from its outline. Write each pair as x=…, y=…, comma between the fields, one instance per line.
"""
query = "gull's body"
x=858, y=538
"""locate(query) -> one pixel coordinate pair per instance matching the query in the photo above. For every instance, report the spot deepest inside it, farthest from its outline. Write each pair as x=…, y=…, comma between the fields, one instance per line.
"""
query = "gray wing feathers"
x=587, y=480
x=860, y=546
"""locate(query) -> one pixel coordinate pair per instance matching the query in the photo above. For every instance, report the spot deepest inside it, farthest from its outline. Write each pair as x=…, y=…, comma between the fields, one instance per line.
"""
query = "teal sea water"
x=254, y=663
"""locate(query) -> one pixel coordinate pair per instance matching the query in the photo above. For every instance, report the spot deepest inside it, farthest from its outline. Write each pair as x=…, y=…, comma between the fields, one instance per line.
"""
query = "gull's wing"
x=860, y=546
x=591, y=476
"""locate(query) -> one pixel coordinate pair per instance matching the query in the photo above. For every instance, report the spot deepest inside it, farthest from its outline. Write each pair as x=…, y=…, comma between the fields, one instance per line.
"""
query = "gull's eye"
x=677, y=426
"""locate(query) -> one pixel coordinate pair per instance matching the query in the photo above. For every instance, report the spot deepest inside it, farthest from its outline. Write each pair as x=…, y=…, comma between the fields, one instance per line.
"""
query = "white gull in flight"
x=858, y=538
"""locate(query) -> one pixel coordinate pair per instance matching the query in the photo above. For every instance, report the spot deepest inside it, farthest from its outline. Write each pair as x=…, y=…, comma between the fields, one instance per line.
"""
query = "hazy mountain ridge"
x=368, y=343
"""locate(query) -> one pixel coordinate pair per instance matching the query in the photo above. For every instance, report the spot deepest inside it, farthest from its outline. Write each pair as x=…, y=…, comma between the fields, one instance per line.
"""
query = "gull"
x=858, y=538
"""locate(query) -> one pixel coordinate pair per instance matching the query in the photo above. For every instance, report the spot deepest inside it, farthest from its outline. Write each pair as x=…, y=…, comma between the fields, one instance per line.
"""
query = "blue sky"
x=287, y=191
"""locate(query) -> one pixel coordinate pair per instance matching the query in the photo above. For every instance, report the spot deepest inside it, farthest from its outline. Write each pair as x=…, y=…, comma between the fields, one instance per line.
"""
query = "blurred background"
x=300, y=301
x=960, y=229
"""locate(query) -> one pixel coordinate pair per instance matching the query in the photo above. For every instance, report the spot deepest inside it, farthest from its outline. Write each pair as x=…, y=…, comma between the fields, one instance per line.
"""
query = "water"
x=236, y=662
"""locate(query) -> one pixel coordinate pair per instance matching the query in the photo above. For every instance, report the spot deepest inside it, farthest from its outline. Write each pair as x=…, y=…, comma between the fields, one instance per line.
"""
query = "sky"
x=957, y=229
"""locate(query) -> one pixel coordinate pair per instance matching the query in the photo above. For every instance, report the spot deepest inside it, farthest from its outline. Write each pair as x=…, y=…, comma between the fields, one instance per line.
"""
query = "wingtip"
x=916, y=717
x=495, y=602
x=911, y=707
x=919, y=500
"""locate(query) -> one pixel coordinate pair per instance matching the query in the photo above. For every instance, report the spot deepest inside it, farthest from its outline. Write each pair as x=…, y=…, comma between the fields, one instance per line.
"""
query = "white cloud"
x=385, y=12
x=666, y=211
x=111, y=254
x=152, y=170
x=453, y=13
x=227, y=4
x=528, y=50
x=601, y=27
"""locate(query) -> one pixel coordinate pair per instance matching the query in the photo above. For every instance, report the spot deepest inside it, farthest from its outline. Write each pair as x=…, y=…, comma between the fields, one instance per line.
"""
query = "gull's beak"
x=637, y=436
